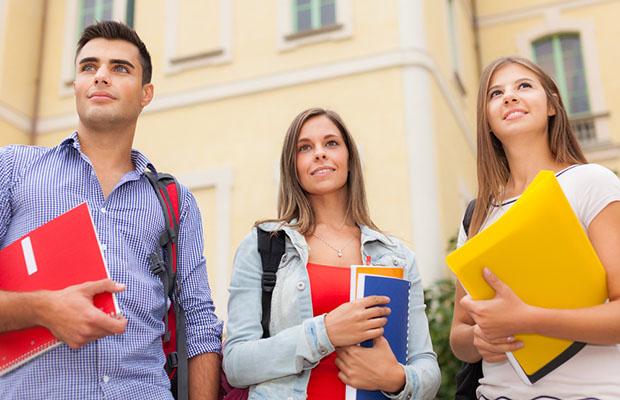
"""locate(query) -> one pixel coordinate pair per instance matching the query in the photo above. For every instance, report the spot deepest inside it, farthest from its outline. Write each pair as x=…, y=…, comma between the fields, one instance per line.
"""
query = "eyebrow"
x=114, y=61
x=517, y=81
x=328, y=136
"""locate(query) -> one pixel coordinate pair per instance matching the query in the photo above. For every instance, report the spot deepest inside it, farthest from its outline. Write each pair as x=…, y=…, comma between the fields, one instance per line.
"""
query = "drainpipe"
x=38, y=76
x=474, y=4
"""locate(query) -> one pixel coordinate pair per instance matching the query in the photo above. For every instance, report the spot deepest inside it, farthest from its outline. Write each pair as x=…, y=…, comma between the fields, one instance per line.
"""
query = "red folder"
x=60, y=253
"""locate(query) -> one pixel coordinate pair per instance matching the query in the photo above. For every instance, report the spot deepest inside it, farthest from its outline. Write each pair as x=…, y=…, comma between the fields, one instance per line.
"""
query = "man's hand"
x=73, y=319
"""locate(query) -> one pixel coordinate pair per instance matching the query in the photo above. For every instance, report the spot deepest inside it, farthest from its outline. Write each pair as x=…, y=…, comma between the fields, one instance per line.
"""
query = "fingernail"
x=510, y=339
x=519, y=345
x=120, y=286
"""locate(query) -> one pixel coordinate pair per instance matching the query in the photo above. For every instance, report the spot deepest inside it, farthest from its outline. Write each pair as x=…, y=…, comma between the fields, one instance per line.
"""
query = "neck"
x=108, y=149
x=526, y=158
x=330, y=210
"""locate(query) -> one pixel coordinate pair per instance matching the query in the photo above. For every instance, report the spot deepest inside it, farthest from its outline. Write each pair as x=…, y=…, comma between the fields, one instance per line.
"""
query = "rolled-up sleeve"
x=203, y=328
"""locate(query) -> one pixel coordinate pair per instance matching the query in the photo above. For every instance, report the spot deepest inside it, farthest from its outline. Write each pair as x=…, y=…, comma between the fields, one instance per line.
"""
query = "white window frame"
x=221, y=54
x=289, y=39
x=554, y=24
x=67, y=71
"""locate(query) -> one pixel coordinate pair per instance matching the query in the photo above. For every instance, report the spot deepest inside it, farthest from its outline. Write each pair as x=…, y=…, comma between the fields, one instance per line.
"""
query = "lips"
x=514, y=114
x=101, y=95
x=322, y=171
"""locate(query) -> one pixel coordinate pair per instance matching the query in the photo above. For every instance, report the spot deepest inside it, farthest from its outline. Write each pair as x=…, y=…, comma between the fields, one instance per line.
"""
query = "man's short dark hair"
x=113, y=30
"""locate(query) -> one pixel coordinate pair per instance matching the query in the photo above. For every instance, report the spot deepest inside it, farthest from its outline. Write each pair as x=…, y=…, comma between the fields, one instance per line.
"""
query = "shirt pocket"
x=390, y=259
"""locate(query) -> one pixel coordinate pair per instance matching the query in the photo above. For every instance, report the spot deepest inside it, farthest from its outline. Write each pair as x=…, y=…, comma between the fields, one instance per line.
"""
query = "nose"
x=510, y=96
x=102, y=76
x=319, y=153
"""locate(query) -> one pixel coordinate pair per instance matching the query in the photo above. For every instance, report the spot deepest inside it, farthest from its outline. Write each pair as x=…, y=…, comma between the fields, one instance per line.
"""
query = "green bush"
x=439, y=299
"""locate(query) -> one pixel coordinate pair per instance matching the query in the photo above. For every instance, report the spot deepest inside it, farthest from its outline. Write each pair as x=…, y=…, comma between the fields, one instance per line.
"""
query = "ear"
x=147, y=94
x=551, y=111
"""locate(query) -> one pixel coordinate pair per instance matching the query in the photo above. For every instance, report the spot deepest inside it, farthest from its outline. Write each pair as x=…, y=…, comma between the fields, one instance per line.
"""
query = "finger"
x=374, y=323
x=104, y=285
x=468, y=304
x=380, y=342
x=372, y=333
x=343, y=377
x=370, y=301
x=493, y=280
x=109, y=325
x=375, y=312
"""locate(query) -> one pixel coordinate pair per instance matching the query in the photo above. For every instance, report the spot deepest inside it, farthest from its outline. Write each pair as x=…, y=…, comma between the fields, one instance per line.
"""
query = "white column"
x=419, y=132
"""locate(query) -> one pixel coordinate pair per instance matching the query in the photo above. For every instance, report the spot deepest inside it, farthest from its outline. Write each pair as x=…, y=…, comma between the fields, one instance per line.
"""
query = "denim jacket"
x=279, y=367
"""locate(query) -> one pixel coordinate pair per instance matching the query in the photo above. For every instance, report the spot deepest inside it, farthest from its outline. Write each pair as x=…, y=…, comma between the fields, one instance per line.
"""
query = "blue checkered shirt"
x=38, y=184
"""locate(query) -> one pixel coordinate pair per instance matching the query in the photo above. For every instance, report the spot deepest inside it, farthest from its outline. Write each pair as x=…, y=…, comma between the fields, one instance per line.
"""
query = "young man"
x=105, y=357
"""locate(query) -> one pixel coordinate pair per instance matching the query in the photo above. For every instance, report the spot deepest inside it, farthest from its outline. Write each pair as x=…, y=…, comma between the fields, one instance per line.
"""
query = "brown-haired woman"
x=312, y=350
x=523, y=128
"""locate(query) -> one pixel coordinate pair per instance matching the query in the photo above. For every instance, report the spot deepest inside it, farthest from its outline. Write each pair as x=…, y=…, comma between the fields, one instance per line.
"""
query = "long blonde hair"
x=492, y=164
x=292, y=200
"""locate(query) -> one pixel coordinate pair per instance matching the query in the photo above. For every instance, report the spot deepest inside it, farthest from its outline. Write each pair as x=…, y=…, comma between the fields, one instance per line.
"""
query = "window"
x=80, y=14
x=309, y=15
x=92, y=11
x=560, y=56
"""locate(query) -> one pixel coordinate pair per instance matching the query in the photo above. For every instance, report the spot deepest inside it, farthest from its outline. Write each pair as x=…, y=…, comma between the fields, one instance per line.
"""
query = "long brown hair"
x=492, y=164
x=292, y=200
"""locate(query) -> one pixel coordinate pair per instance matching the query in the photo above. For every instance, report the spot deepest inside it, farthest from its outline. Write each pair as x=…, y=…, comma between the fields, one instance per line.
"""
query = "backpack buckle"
x=268, y=281
x=172, y=360
x=156, y=264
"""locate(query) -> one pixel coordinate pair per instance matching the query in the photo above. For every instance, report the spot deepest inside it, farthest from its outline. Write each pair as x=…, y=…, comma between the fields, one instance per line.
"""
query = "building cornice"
x=403, y=58
x=535, y=11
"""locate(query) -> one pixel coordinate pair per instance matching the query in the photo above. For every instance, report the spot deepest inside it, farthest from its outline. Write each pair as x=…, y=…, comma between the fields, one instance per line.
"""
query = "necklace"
x=338, y=251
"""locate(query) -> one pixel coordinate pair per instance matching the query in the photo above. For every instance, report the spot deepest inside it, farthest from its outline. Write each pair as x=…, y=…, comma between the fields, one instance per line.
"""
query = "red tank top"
x=329, y=288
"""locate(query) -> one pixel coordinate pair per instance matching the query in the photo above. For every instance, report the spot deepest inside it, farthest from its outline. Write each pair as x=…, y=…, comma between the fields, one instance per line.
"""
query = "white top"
x=594, y=372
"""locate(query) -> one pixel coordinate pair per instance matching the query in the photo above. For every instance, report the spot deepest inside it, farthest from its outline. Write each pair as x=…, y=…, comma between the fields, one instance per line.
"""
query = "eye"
x=331, y=143
x=303, y=148
x=120, y=68
x=495, y=93
x=88, y=67
x=525, y=85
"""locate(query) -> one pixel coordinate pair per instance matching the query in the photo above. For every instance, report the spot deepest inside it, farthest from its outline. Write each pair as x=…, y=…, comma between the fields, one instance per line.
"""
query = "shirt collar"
x=140, y=161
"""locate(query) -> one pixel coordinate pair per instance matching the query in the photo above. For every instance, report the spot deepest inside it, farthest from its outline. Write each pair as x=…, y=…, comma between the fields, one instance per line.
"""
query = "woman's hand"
x=501, y=317
x=357, y=321
x=494, y=350
x=373, y=368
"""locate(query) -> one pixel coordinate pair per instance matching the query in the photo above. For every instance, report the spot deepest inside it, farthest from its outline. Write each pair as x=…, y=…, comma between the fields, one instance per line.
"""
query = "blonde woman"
x=523, y=128
x=312, y=351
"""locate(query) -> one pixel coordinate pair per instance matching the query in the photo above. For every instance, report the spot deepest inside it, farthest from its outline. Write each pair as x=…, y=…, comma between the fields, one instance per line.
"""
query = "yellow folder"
x=541, y=251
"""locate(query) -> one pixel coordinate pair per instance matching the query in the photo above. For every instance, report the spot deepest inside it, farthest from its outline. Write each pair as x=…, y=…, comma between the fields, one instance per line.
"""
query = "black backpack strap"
x=176, y=361
x=271, y=247
x=469, y=212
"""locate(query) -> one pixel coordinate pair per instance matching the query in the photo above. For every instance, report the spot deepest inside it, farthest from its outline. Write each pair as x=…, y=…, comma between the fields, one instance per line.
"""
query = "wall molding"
x=15, y=118
x=208, y=56
x=220, y=179
x=406, y=57
x=536, y=11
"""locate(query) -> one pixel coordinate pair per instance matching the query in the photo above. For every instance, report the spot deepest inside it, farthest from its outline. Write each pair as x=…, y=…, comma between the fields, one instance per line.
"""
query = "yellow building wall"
x=20, y=54
x=493, y=7
x=11, y=135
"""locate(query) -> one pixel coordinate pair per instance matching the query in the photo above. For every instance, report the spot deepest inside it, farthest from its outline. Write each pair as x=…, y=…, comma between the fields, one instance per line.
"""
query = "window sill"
x=313, y=32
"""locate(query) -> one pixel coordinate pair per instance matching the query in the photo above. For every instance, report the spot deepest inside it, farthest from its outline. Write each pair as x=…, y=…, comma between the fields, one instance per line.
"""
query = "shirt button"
x=106, y=379
x=395, y=262
x=322, y=350
x=301, y=285
x=103, y=210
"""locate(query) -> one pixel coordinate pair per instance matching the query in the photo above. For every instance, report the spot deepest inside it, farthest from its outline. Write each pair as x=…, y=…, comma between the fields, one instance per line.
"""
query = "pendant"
x=339, y=253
